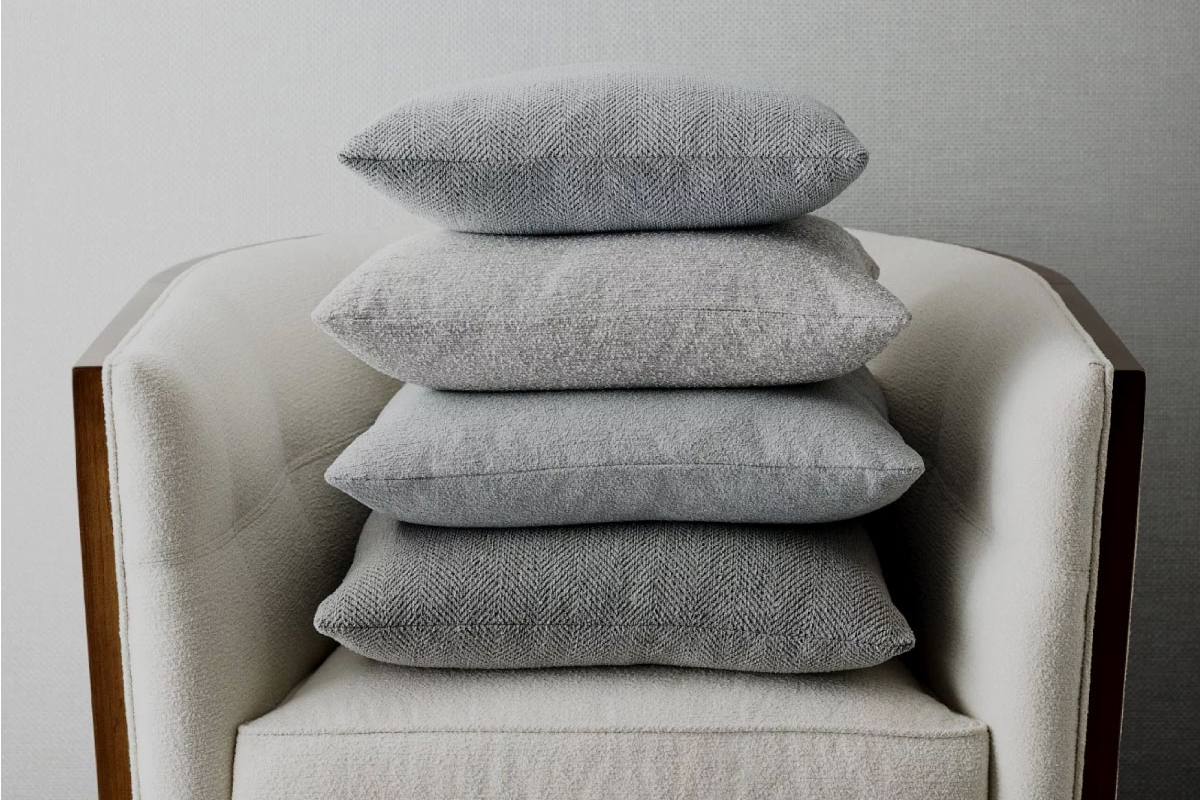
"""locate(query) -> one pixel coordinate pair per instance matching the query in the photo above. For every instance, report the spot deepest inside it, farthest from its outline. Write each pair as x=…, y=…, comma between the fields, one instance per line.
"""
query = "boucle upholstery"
x=359, y=730
x=225, y=405
x=992, y=553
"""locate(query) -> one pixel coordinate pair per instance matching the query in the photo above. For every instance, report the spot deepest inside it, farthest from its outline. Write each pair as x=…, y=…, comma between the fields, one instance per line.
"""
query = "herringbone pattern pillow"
x=607, y=147
x=745, y=597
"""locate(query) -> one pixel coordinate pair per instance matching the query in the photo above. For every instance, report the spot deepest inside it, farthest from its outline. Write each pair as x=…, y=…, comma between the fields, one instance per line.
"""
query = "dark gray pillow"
x=747, y=597
x=607, y=147
x=788, y=303
x=797, y=454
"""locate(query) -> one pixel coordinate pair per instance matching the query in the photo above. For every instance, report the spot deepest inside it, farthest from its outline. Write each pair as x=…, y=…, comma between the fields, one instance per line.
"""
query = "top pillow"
x=607, y=147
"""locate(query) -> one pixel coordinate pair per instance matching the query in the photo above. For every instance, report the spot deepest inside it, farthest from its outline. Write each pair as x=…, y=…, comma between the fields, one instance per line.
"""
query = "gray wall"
x=139, y=133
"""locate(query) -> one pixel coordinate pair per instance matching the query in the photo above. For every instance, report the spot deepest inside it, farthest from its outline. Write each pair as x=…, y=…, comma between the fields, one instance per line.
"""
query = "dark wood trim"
x=100, y=586
x=1118, y=542
x=1118, y=537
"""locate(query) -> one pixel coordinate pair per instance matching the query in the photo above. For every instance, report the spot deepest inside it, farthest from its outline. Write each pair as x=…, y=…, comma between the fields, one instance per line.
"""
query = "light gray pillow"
x=787, y=303
x=795, y=454
x=746, y=597
x=607, y=147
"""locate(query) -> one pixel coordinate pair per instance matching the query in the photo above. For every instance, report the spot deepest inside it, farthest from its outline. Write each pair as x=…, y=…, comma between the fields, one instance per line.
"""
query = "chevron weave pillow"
x=607, y=147
x=746, y=597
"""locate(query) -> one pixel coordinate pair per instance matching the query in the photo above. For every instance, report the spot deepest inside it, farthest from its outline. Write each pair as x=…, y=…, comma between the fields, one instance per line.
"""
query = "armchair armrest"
x=1028, y=412
x=205, y=417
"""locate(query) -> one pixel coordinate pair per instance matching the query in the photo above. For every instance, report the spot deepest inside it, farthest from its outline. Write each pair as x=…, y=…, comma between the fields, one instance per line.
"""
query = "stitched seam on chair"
x=500, y=473
x=933, y=469
x=953, y=502
x=880, y=644
x=262, y=507
x=600, y=159
x=966, y=733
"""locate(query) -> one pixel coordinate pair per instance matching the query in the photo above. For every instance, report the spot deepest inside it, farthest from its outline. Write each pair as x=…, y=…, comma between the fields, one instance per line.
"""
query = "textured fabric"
x=226, y=392
x=788, y=303
x=224, y=407
x=992, y=554
x=362, y=730
x=794, y=454
x=606, y=147
x=748, y=597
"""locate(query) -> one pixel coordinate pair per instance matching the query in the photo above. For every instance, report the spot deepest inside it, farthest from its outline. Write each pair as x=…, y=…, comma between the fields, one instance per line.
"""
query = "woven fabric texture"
x=788, y=303
x=607, y=147
x=790, y=454
x=361, y=730
x=746, y=597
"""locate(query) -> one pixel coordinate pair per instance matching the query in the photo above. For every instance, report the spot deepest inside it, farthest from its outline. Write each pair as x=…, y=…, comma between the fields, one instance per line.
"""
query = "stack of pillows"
x=635, y=426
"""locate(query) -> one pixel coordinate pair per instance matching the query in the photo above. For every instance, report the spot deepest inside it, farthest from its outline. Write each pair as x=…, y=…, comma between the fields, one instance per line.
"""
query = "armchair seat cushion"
x=360, y=729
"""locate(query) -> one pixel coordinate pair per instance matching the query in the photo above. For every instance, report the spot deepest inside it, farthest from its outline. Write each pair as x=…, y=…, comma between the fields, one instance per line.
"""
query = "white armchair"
x=208, y=411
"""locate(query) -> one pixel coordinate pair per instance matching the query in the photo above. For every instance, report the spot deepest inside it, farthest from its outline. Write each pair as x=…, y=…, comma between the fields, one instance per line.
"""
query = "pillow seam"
x=654, y=312
x=352, y=160
x=884, y=645
x=498, y=473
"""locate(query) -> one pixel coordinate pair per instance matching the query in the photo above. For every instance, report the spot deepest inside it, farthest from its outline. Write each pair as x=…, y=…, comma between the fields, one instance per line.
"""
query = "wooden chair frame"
x=1118, y=537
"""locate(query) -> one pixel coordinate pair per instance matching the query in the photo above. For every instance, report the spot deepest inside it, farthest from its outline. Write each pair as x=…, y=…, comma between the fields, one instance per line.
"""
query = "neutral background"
x=140, y=133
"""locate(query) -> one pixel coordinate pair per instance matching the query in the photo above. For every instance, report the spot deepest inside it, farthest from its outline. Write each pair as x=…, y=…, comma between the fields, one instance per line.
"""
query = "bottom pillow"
x=763, y=598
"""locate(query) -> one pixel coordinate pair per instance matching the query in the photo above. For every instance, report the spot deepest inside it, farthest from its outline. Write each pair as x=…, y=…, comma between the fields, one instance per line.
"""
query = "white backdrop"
x=138, y=133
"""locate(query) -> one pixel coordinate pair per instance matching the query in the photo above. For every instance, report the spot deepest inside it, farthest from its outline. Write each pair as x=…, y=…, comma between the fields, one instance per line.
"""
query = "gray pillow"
x=607, y=147
x=787, y=303
x=747, y=597
x=809, y=453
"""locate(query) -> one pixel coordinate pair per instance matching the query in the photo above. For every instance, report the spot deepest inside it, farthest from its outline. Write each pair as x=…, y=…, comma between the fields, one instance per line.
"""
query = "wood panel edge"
x=1114, y=586
x=100, y=592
